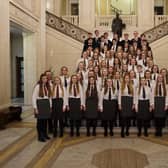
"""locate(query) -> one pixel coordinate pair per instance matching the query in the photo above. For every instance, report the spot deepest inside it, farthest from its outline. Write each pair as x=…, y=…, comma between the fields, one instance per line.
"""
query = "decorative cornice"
x=157, y=32
x=66, y=27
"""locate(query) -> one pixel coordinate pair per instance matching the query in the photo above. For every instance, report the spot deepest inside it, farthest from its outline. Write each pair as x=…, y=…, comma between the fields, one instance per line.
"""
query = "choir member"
x=126, y=101
x=143, y=106
x=42, y=106
x=108, y=106
x=91, y=105
x=75, y=104
x=160, y=104
x=59, y=102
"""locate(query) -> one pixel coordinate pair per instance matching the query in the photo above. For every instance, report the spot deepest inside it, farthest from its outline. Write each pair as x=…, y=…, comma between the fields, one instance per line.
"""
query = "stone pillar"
x=5, y=84
x=145, y=14
x=29, y=52
x=87, y=14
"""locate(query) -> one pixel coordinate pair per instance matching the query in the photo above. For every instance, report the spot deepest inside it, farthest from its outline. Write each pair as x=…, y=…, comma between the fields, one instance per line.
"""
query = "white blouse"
x=35, y=96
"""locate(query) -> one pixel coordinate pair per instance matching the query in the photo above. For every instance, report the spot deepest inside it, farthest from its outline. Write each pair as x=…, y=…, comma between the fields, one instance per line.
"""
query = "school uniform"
x=160, y=102
x=91, y=105
x=117, y=85
x=59, y=102
x=126, y=101
x=65, y=80
x=154, y=76
x=43, y=106
x=108, y=105
x=75, y=101
x=142, y=105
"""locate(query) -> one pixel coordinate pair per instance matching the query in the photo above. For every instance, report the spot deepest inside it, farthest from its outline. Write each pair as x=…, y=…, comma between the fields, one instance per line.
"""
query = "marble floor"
x=19, y=148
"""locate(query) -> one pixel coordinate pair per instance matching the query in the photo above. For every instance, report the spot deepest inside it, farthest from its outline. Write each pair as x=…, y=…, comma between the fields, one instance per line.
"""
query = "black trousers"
x=41, y=128
x=55, y=126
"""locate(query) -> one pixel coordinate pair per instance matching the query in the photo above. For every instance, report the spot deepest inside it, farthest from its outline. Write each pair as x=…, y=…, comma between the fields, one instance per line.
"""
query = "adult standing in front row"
x=42, y=106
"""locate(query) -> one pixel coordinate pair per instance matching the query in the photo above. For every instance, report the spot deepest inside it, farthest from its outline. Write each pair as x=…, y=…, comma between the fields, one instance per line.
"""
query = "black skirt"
x=91, y=108
x=74, y=109
x=143, y=110
x=126, y=105
x=109, y=110
x=57, y=109
x=43, y=107
x=159, y=107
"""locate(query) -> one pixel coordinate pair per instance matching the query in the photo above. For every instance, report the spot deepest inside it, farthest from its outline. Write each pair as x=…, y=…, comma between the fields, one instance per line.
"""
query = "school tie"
x=84, y=62
x=74, y=89
x=129, y=91
x=160, y=90
x=109, y=94
x=139, y=75
x=143, y=93
x=108, y=63
x=57, y=92
x=149, y=83
x=92, y=91
x=133, y=67
x=65, y=82
x=118, y=86
x=45, y=90
x=154, y=77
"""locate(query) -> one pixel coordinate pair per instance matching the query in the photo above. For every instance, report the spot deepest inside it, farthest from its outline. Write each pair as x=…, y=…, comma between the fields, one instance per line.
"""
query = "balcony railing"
x=159, y=19
x=72, y=19
x=104, y=22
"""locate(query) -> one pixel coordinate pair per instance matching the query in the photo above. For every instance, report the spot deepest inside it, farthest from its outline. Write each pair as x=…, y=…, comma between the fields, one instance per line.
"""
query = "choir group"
x=116, y=81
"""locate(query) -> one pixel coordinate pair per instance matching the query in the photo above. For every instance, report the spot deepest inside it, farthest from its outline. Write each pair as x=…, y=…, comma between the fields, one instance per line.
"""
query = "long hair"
x=40, y=82
x=95, y=94
x=157, y=88
x=70, y=85
x=54, y=86
x=123, y=85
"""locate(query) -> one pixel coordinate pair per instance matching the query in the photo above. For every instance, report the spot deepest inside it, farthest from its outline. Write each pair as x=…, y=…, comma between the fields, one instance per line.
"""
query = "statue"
x=117, y=25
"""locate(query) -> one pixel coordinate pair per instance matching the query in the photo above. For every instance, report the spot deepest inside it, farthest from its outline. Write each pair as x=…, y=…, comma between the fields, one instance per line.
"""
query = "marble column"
x=145, y=13
x=5, y=84
x=87, y=14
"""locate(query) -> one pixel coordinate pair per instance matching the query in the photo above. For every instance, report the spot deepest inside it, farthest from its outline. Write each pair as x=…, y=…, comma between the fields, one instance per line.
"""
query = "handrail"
x=66, y=27
x=157, y=32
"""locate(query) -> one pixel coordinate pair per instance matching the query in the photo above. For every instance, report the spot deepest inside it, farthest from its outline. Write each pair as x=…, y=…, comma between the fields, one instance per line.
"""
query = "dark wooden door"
x=19, y=77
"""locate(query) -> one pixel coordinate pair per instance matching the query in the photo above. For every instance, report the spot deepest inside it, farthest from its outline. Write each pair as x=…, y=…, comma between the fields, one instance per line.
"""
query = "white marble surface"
x=10, y=135
x=81, y=155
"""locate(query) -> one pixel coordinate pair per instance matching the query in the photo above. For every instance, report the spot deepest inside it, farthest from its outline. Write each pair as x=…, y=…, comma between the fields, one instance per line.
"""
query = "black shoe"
x=54, y=135
x=61, y=134
x=111, y=133
x=47, y=137
x=139, y=134
x=127, y=133
x=71, y=134
x=145, y=134
x=93, y=133
x=105, y=134
x=42, y=140
x=88, y=134
x=122, y=134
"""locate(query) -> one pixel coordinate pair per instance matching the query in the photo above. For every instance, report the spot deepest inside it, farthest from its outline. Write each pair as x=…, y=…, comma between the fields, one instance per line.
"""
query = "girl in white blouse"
x=108, y=106
x=75, y=104
x=143, y=106
x=59, y=102
x=42, y=105
x=126, y=101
